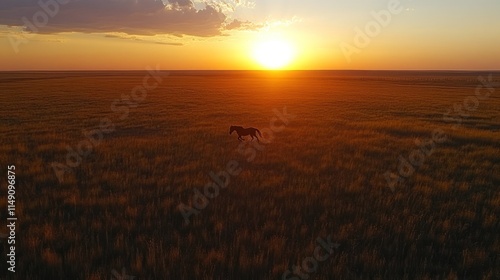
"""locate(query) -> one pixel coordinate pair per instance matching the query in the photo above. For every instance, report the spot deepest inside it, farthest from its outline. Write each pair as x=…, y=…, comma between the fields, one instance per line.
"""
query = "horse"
x=244, y=132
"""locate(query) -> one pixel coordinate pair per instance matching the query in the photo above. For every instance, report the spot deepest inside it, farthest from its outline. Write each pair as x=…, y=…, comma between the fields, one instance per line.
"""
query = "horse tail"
x=258, y=132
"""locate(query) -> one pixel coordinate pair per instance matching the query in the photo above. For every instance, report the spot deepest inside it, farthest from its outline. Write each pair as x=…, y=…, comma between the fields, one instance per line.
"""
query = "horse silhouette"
x=245, y=131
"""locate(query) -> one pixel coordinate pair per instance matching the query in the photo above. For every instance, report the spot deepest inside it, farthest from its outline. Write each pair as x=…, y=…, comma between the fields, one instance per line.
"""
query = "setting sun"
x=274, y=54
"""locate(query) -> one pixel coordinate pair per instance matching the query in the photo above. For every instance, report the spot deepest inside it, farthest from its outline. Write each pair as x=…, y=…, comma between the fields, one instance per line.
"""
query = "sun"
x=274, y=54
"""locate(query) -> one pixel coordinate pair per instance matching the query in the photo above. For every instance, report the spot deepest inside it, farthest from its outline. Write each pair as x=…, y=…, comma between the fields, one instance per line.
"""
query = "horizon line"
x=254, y=70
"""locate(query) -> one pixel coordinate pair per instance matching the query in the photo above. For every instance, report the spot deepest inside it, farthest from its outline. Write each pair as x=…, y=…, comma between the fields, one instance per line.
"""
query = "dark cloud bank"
x=137, y=17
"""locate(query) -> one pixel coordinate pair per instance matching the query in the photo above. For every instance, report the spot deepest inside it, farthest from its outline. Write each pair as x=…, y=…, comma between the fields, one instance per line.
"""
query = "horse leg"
x=255, y=135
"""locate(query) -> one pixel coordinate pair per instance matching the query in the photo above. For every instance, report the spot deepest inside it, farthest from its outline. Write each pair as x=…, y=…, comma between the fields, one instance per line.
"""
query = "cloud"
x=228, y=6
x=135, y=38
x=242, y=25
x=182, y=3
x=134, y=17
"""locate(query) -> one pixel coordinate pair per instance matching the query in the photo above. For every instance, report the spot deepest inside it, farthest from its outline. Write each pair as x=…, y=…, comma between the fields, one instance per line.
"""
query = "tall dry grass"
x=322, y=175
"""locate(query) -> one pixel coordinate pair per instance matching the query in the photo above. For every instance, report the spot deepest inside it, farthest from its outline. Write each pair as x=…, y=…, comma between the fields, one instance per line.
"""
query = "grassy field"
x=133, y=198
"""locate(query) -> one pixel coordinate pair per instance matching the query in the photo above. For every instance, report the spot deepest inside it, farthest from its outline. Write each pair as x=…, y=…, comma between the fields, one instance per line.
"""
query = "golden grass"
x=322, y=175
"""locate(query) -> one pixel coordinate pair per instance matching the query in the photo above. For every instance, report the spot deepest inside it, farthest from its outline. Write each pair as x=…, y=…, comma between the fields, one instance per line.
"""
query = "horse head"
x=233, y=128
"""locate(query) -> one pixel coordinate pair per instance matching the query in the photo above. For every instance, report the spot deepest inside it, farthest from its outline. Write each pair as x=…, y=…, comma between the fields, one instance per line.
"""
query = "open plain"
x=137, y=171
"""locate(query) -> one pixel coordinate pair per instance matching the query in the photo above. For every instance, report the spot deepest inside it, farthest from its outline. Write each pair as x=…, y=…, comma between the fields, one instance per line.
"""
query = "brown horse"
x=245, y=131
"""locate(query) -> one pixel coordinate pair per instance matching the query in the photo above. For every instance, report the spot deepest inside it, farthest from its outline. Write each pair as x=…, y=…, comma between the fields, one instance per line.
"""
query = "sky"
x=213, y=34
